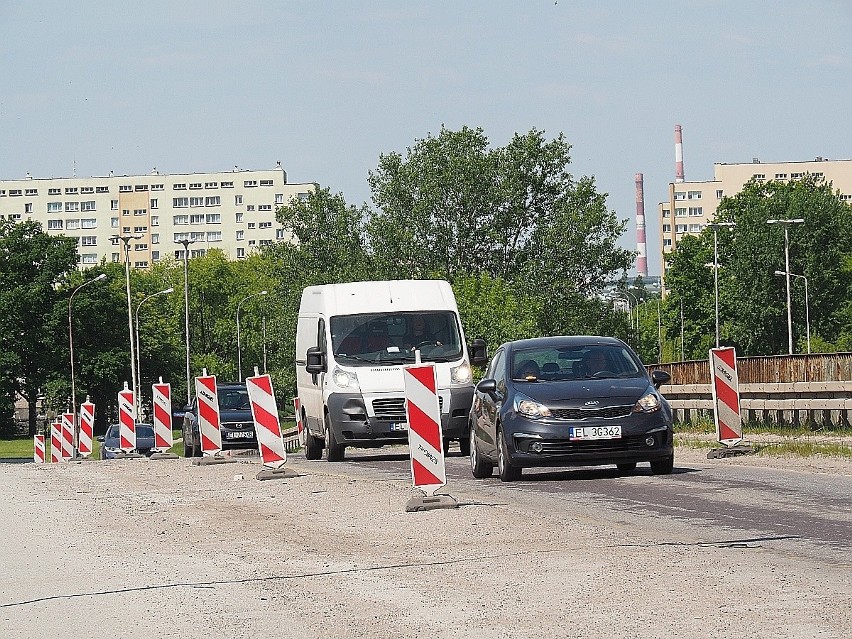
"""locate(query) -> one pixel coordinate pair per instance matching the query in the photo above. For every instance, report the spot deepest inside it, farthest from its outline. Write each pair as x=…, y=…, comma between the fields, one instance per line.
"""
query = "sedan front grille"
x=610, y=412
x=564, y=447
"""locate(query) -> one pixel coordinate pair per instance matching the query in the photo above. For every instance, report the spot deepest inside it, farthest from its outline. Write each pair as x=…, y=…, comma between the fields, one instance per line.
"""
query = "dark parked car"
x=560, y=401
x=111, y=443
x=235, y=421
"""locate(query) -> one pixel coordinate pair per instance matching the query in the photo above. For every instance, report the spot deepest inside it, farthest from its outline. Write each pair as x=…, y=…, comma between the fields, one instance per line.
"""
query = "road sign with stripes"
x=267, y=427
x=162, y=394
x=38, y=449
x=55, y=442
x=209, y=421
x=87, y=427
x=726, y=395
x=67, y=436
x=126, y=420
x=424, y=428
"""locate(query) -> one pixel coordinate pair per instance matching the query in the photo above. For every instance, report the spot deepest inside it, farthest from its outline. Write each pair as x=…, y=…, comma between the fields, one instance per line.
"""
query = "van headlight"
x=460, y=374
x=648, y=403
x=345, y=379
x=530, y=408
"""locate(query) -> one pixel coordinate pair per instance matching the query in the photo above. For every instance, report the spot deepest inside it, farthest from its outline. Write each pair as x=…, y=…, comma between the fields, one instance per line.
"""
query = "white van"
x=352, y=342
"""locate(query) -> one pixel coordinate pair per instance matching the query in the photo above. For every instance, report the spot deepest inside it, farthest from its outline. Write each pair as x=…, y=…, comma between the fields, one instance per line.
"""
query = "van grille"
x=392, y=409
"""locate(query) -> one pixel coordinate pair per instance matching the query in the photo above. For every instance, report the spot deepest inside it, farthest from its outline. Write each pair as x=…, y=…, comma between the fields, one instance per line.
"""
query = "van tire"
x=313, y=446
x=334, y=452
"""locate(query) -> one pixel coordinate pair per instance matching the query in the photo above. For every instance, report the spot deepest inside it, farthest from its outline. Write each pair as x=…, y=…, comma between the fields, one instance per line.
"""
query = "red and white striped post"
x=424, y=437
x=38, y=449
x=209, y=421
x=726, y=396
x=163, y=439
x=300, y=427
x=55, y=442
x=126, y=420
x=267, y=427
x=67, y=436
x=87, y=428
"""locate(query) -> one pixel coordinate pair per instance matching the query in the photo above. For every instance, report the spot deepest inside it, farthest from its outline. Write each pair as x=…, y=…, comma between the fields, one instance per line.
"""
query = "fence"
x=792, y=389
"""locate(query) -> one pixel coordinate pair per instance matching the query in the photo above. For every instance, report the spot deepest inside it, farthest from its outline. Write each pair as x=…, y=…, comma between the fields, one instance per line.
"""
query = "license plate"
x=246, y=434
x=399, y=426
x=594, y=432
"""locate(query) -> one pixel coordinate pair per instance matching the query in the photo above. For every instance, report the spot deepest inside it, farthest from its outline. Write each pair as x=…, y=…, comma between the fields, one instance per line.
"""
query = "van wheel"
x=464, y=446
x=313, y=446
x=334, y=452
x=446, y=442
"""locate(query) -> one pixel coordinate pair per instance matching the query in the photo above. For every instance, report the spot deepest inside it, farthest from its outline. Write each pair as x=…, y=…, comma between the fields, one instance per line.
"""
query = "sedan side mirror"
x=315, y=361
x=478, y=351
x=658, y=378
x=100, y=438
x=487, y=387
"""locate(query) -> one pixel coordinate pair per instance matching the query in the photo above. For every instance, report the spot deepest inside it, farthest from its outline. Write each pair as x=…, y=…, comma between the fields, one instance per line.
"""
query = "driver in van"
x=417, y=332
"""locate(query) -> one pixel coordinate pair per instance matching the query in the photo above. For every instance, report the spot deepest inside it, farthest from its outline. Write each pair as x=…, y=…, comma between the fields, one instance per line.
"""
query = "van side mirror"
x=478, y=351
x=658, y=378
x=315, y=361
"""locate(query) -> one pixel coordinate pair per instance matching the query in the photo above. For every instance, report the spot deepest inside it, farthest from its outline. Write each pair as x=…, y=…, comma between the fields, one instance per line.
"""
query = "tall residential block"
x=231, y=210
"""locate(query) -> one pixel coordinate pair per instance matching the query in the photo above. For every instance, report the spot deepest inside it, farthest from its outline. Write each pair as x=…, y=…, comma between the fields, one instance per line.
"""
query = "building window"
x=238, y=218
x=265, y=242
x=72, y=207
x=759, y=176
x=180, y=237
x=227, y=185
x=155, y=204
x=101, y=189
x=197, y=236
x=115, y=257
x=140, y=247
x=195, y=185
x=241, y=252
x=264, y=225
x=211, y=185
x=155, y=220
x=696, y=211
x=125, y=230
x=179, y=187
x=54, y=207
x=238, y=200
x=14, y=192
x=680, y=212
x=693, y=195
x=196, y=219
x=89, y=240
x=250, y=183
x=197, y=252
x=89, y=223
x=72, y=225
x=279, y=198
x=214, y=236
x=140, y=229
x=252, y=242
x=719, y=194
x=87, y=206
x=70, y=190
x=241, y=235
x=141, y=264
x=125, y=211
x=279, y=234
x=180, y=202
x=667, y=242
x=87, y=189
x=266, y=182
x=212, y=201
x=30, y=192
x=54, y=191
x=113, y=222
x=264, y=207
x=251, y=225
x=125, y=188
x=155, y=256
x=140, y=211
x=214, y=218
x=695, y=228
x=666, y=212
x=155, y=238
x=667, y=228
x=54, y=225
x=156, y=187
x=180, y=219
x=780, y=176
x=89, y=258
x=113, y=205
x=250, y=207
x=196, y=201
x=141, y=187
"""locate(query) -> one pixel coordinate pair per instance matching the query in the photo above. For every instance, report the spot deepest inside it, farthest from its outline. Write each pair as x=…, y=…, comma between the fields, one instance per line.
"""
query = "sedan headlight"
x=648, y=403
x=112, y=449
x=530, y=408
x=460, y=374
x=345, y=379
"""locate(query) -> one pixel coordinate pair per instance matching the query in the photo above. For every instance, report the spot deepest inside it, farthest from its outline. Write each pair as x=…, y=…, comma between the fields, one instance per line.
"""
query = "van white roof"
x=378, y=297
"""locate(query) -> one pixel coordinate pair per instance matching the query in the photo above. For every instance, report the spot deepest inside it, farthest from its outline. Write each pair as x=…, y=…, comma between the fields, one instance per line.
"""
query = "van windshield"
x=392, y=338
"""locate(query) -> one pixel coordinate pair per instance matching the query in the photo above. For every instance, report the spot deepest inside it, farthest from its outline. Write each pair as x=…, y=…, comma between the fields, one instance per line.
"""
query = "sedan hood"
x=607, y=392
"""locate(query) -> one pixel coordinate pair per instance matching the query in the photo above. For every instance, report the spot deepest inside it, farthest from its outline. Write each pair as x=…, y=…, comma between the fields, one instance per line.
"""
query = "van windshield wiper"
x=357, y=358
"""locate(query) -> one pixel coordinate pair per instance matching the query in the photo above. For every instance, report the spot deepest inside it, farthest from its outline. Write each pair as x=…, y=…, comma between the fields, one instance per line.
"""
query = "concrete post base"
x=423, y=502
x=276, y=473
x=731, y=451
x=164, y=456
x=212, y=460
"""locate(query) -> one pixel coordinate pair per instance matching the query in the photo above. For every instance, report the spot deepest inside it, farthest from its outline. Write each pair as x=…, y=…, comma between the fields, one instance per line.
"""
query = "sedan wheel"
x=625, y=468
x=507, y=471
x=663, y=466
x=478, y=466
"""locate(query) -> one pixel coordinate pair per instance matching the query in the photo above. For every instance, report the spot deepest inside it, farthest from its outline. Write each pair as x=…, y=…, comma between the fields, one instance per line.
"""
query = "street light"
x=787, y=224
x=239, y=347
x=715, y=266
x=138, y=351
x=807, y=306
x=186, y=242
x=126, y=239
x=71, y=349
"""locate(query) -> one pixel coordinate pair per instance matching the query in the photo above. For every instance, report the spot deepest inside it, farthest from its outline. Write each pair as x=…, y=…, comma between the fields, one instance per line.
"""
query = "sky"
x=326, y=87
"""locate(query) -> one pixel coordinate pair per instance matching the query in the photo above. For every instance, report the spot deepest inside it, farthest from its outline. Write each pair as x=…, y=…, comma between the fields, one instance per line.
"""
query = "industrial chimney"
x=642, y=258
x=678, y=154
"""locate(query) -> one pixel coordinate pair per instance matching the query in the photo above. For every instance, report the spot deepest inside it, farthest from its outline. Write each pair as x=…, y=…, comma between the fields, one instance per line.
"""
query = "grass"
x=22, y=447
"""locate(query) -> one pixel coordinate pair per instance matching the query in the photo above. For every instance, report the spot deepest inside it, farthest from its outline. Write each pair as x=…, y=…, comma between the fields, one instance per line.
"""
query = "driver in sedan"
x=596, y=361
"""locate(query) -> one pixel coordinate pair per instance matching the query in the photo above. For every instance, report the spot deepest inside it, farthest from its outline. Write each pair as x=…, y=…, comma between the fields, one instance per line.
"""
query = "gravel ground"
x=140, y=548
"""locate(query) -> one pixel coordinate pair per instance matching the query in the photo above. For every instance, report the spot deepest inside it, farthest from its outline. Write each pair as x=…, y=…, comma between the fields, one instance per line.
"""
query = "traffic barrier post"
x=267, y=428
x=55, y=442
x=87, y=428
x=209, y=421
x=67, y=436
x=163, y=436
x=726, y=403
x=126, y=420
x=38, y=449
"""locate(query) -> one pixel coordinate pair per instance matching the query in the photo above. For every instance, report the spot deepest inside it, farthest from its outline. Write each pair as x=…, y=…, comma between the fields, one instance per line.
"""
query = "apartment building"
x=231, y=210
x=694, y=203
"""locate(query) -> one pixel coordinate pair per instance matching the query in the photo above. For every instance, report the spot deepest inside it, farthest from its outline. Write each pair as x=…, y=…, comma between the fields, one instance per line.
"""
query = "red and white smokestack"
x=642, y=257
x=678, y=154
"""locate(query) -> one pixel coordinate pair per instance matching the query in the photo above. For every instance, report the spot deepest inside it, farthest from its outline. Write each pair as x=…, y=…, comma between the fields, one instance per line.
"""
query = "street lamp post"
x=71, y=350
x=239, y=346
x=786, y=224
x=138, y=395
x=807, y=307
x=186, y=242
x=715, y=226
x=126, y=239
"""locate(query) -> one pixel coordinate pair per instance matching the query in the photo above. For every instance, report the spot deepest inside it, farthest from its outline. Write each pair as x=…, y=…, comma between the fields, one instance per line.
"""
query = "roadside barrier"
x=300, y=428
x=726, y=396
x=267, y=428
x=423, y=412
x=67, y=436
x=126, y=420
x=38, y=449
x=209, y=421
x=87, y=428
x=55, y=442
x=163, y=438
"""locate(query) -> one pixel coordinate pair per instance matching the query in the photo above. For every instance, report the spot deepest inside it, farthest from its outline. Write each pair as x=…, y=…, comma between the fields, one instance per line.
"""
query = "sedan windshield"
x=393, y=338
x=596, y=361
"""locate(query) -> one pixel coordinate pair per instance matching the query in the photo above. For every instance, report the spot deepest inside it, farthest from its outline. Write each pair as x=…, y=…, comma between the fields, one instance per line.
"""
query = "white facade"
x=232, y=210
